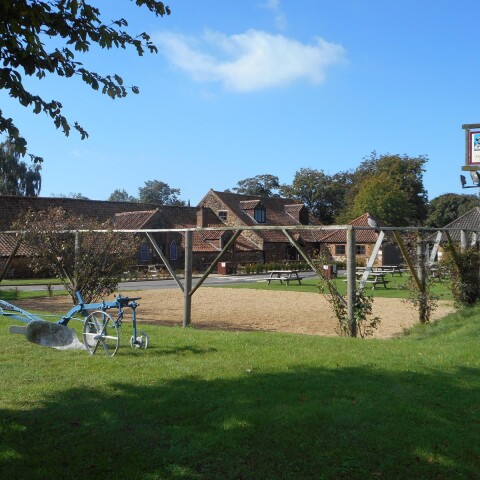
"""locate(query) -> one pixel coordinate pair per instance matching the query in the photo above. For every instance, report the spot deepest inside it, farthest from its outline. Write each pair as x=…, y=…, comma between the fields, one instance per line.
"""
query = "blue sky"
x=244, y=88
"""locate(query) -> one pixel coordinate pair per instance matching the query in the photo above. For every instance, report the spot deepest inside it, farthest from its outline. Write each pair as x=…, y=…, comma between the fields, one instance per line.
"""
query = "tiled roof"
x=133, y=220
x=294, y=209
x=468, y=221
x=207, y=241
x=278, y=213
x=249, y=204
x=7, y=244
x=211, y=241
x=361, y=236
x=12, y=206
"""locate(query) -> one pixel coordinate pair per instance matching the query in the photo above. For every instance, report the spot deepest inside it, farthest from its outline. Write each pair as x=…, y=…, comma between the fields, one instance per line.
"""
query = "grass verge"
x=13, y=294
x=395, y=287
x=214, y=405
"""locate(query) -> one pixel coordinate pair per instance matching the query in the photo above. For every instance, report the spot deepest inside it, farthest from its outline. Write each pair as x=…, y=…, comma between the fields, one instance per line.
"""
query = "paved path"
x=213, y=279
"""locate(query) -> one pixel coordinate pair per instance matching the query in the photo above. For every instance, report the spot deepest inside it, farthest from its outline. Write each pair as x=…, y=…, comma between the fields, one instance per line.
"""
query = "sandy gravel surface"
x=246, y=309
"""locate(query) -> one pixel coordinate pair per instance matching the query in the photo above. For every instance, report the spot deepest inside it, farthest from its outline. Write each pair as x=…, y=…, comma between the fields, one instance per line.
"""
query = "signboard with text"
x=474, y=141
x=472, y=147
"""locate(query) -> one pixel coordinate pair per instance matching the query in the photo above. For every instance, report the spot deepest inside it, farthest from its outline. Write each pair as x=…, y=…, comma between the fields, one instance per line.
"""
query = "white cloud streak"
x=250, y=61
x=280, y=18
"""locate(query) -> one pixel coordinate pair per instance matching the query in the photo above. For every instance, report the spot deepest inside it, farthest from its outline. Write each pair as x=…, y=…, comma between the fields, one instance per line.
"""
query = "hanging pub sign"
x=472, y=146
x=475, y=148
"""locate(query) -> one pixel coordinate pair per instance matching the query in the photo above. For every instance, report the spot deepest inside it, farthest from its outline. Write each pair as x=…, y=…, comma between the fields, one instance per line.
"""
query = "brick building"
x=235, y=210
x=12, y=206
x=335, y=245
x=216, y=209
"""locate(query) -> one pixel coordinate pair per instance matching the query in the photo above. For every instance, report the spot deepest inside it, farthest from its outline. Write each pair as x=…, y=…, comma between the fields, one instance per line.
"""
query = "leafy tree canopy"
x=16, y=178
x=383, y=198
x=160, y=193
x=121, y=195
x=77, y=196
x=261, y=185
x=405, y=172
x=75, y=25
x=448, y=207
x=322, y=194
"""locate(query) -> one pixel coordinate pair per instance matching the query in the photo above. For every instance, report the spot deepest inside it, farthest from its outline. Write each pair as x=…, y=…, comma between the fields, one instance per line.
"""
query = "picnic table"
x=286, y=276
x=375, y=278
x=392, y=269
x=389, y=269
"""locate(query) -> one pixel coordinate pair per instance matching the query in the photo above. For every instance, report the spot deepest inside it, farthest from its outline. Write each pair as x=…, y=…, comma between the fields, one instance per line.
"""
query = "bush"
x=463, y=268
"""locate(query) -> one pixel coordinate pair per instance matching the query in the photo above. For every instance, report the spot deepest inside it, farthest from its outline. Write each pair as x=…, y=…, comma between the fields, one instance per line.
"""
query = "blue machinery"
x=100, y=330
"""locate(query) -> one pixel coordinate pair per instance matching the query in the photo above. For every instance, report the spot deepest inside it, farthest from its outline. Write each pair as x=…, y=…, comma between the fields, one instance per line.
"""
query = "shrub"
x=463, y=268
x=92, y=265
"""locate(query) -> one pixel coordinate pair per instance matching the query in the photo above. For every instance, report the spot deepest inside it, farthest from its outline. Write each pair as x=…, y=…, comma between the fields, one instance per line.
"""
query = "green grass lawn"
x=208, y=405
x=31, y=281
x=395, y=287
x=12, y=294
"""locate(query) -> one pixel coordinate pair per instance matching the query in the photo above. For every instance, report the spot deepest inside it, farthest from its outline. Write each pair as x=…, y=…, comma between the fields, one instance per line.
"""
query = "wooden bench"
x=376, y=281
x=287, y=280
x=286, y=276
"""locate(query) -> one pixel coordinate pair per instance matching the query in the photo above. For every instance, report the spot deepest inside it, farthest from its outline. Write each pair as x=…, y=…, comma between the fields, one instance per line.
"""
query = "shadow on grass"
x=185, y=350
x=304, y=423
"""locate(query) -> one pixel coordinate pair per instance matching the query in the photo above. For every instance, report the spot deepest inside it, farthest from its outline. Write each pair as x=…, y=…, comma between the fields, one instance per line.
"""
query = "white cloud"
x=280, y=18
x=250, y=61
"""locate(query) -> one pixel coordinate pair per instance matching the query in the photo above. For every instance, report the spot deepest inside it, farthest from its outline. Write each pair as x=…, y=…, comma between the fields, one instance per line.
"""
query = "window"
x=360, y=249
x=260, y=215
x=173, y=250
x=223, y=215
x=339, y=249
x=303, y=216
x=144, y=252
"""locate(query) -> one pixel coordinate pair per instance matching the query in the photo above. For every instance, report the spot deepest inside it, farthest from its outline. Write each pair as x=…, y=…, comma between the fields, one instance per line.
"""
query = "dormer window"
x=223, y=215
x=254, y=209
x=298, y=212
x=259, y=214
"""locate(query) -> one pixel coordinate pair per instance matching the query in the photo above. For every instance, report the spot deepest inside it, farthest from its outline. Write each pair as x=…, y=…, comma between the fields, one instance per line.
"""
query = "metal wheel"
x=140, y=342
x=100, y=329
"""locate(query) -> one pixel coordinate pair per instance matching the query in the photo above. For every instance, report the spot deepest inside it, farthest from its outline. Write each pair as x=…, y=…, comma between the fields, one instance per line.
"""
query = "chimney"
x=201, y=221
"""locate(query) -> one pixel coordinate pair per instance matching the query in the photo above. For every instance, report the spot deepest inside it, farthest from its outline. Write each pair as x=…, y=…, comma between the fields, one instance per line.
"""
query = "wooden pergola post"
x=351, y=279
x=422, y=277
x=78, y=251
x=463, y=240
x=187, y=312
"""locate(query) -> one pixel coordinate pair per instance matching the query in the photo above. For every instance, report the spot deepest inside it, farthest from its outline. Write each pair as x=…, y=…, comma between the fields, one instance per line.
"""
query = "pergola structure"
x=425, y=255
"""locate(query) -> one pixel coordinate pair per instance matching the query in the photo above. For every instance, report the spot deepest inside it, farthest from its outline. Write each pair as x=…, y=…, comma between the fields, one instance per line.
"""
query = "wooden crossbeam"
x=371, y=260
x=409, y=261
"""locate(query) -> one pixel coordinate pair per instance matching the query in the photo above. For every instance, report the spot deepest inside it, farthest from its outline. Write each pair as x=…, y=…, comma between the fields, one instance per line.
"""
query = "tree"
x=260, y=185
x=448, y=207
x=404, y=171
x=92, y=263
x=382, y=198
x=16, y=178
x=77, y=196
x=322, y=194
x=160, y=193
x=121, y=195
x=72, y=26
